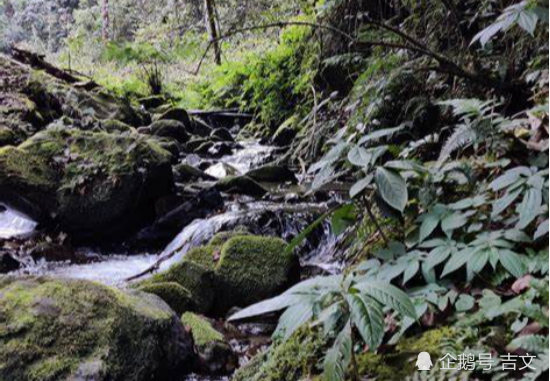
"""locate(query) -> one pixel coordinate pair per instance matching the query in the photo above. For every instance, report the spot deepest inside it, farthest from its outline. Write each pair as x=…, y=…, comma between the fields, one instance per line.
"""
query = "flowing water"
x=14, y=224
x=277, y=217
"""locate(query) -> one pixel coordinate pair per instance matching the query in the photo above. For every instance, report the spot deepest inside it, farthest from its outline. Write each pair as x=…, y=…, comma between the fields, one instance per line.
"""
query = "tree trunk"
x=213, y=35
x=105, y=19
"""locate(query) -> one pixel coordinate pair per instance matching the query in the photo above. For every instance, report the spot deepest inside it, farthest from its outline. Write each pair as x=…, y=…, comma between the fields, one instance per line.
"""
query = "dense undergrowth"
x=436, y=115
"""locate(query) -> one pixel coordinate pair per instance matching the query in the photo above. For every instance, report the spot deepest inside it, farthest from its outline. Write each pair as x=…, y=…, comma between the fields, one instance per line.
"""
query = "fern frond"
x=463, y=136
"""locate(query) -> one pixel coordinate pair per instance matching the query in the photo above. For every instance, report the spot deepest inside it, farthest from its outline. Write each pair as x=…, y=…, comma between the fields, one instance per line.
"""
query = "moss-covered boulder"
x=214, y=352
x=195, y=278
x=293, y=360
x=7, y=136
x=169, y=129
x=272, y=174
x=79, y=330
x=251, y=269
x=222, y=135
x=177, y=114
x=152, y=101
x=116, y=126
x=204, y=256
x=177, y=297
x=240, y=185
x=222, y=237
x=93, y=184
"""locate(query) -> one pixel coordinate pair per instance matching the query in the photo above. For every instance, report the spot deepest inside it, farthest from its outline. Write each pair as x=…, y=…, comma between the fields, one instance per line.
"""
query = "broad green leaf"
x=360, y=186
x=338, y=356
x=512, y=262
x=392, y=188
x=458, y=260
x=529, y=208
x=368, y=318
x=429, y=223
x=477, y=262
x=530, y=343
x=453, y=222
x=505, y=201
x=379, y=134
x=508, y=178
x=389, y=296
x=293, y=318
x=324, y=176
x=359, y=156
x=437, y=256
x=411, y=270
x=270, y=305
x=464, y=303
x=528, y=21
x=542, y=229
x=342, y=218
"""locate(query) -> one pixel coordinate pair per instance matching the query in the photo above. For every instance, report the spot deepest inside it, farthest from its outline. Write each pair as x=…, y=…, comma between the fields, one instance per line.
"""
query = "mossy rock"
x=7, y=136
x=169, y=128
x=194, y=143
x=399, y=364
x=176, y=296
x=87, y=180
x=222, y=237
x=195, y=278
x=152, y=101
x=292, y=360
x=116, y=126
x=240, y=185
x=251, y=269
x=272, y=174
x=202, y=256
x=61, y=329
x=175, y=113
x=214, y=352
x=184, y=173
x=222, y=135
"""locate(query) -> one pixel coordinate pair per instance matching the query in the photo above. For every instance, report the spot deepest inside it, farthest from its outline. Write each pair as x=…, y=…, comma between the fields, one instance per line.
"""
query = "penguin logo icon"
x=424, y=361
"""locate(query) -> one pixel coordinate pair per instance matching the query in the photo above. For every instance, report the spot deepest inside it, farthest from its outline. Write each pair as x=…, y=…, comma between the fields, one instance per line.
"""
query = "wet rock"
x=285, y=134
x=198, y=280
x=272, y=174
x=7, y=136
x=169, y=129
x=116, y=126
x=240, y=185
x=218, y=149
x=200, y=128
x=152, y=101
x=222, y=134
x=79, y=330
x=251, y=269
x=177, y=114
x=175, y=295
x=7, y=263
x=185, y=173
x=221, y=170
x=86, y=181
x=194, y=143
x=166, y=227
x=215, y=355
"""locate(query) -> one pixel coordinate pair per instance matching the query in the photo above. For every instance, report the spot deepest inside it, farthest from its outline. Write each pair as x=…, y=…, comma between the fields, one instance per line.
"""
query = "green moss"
x=7, y=136
x=251, y=269
x=50, y=328
x=116, y=126
x=292, y=360
x=222, y=237
x=202, y=256
x=176, y=296
x=241, y=185
x=195, y=278
x=202, y=330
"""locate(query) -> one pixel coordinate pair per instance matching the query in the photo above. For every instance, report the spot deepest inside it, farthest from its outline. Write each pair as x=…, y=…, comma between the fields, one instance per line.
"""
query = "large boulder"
x=251, y=269
x=79, y=330
x=169, y=129
x=272, y=174
x=93, y=184
x=215, y=355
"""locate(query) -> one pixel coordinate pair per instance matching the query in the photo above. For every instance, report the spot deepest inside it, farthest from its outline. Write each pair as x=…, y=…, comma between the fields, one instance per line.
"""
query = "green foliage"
x=270, y=84
x=337, y=304
x=525, y=14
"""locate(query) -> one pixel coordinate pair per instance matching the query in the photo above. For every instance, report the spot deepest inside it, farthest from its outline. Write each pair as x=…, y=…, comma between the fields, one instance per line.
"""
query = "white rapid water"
x=13, y=224
x=250, y=156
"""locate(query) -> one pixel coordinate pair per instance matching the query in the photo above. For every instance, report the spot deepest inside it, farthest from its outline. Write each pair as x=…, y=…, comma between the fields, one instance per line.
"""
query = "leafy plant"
x=525, y=14
x=341, y=305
